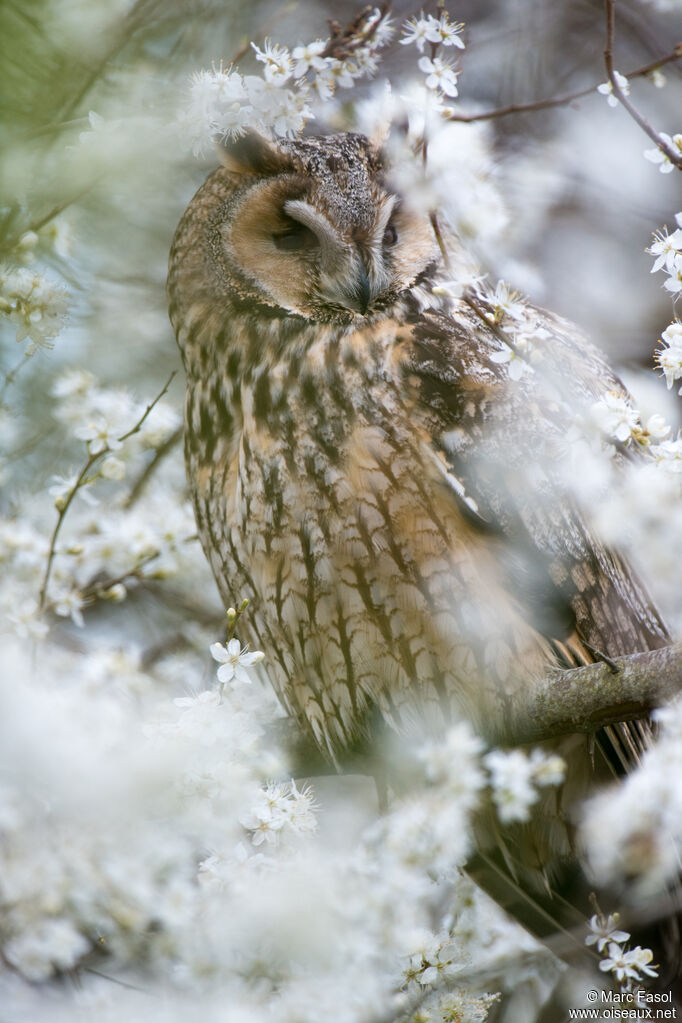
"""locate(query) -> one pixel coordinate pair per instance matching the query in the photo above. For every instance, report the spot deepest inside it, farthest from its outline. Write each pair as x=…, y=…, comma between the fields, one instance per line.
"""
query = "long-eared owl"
x=365, y=468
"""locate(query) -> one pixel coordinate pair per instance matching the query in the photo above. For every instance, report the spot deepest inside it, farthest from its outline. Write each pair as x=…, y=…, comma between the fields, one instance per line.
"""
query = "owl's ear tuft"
x=253, y=154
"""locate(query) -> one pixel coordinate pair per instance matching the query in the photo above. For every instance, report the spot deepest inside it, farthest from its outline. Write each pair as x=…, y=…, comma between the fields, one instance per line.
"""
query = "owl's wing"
x=503, y=441
x=504, y=446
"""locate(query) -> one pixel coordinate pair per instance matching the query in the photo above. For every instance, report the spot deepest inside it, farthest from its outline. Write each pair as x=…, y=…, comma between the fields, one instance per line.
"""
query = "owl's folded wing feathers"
x=503, y=444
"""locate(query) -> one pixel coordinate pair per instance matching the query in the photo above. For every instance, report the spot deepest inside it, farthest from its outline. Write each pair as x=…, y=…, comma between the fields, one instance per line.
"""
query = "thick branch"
x=586, y=699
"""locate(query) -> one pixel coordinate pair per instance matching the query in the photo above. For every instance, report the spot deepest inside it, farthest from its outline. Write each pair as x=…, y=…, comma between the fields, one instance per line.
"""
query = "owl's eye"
x=390, y=237
x=296, y=239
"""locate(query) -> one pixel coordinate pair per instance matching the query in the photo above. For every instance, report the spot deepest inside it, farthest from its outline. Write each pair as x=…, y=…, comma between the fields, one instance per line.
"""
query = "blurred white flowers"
x=515, y=780
x=149, y=821
x=34, y=304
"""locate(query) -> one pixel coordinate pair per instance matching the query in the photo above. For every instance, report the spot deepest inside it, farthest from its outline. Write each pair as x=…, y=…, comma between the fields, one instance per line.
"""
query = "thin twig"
x=148, y=471
x=79, y=483
x=60, y=518
x=11, y=376
x=559, y=101
x=10, y=243
x=136, y=428
x=674, y=156
x=97, y=588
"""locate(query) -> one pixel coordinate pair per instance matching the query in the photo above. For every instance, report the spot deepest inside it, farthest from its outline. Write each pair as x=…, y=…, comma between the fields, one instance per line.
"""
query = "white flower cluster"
x=441, y=75
x=34, y=304
x=633, y=833
x=618, y=420
x=223, y=102
x=656, y=155
x=614, y=413
x=669, y=358
x=667, y=248
x=627, y=965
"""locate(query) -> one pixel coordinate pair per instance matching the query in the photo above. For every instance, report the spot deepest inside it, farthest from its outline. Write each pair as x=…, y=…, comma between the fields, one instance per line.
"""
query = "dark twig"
x=143, y=479
x=560, y=101
x=674, y=157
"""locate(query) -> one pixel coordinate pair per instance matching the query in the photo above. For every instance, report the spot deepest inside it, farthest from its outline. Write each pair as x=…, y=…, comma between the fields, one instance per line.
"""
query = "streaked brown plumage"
x=365, y=471
x=371, y=479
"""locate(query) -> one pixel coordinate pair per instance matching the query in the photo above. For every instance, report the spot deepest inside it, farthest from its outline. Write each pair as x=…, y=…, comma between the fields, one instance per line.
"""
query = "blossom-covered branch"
x=672, y=153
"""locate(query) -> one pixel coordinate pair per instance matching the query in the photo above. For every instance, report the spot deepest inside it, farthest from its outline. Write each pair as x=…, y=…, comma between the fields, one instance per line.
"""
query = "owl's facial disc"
x=352, y=273
x=319, y=235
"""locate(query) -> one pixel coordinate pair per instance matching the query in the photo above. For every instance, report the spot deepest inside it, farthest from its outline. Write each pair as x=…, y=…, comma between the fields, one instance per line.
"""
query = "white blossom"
x=440, y=74
x=615, y=416
x=63, y=486
x=668, y=455
x=421, y=30
x=667, y=249
x=656, y=155
x=113, y=468
x=511, y=777
x=277, y=60
x=618, y=963
x=69, y=604
x=507, y=302
x=669, y=359
x=606, y=89
x=54, y=942
x=444, y=31
x=100, y=435
x=627, y=965
x=25, y=619
x=656, y=427
x=674, y=281
x=34, y=304
x=517, y=364
x=604, y=930
x=417, y=31
x=309, y=56
x=234, y=660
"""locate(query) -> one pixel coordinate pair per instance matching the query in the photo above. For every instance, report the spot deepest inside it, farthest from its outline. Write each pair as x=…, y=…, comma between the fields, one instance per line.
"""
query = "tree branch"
x=586, y=699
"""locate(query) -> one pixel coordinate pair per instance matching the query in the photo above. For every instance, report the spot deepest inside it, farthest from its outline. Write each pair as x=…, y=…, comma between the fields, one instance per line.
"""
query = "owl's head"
x=307, y=227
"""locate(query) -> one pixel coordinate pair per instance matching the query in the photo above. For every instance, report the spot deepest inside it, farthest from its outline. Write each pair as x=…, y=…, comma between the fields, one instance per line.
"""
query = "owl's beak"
x=349, y=283
x=356, y=293
x=360, y=296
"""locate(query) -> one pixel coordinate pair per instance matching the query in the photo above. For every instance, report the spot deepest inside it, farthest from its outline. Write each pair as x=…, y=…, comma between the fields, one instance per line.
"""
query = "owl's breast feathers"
x=396, y=508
